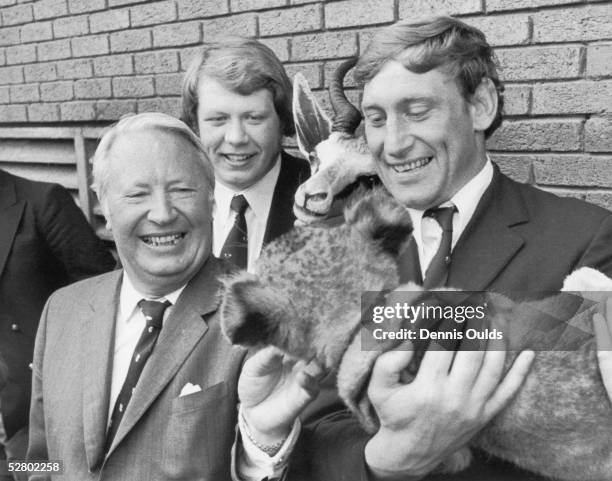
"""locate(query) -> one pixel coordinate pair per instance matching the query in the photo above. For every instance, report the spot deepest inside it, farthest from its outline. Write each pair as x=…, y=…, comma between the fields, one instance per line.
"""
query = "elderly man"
x=431, y=96
x=45, y=243
x=237, y=96
x=132, y=378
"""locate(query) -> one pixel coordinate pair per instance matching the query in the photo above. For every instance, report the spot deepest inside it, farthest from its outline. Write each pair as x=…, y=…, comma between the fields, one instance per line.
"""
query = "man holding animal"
x=237, y=97
x=431, y=97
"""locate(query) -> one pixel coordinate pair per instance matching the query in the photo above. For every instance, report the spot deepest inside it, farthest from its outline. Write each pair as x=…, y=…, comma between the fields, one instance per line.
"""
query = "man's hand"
x=273, y=390
x=603, y=334
x=452, y=397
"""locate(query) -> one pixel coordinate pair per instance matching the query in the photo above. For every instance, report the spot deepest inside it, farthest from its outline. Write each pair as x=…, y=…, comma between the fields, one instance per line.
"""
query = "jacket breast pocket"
x=199, y=435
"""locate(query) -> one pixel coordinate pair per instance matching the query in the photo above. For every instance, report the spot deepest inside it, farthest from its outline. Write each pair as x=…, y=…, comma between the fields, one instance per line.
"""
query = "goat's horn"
x=347, y=118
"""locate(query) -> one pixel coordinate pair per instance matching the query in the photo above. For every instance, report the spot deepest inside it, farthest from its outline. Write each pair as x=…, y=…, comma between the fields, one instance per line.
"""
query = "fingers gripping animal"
x=306, y=300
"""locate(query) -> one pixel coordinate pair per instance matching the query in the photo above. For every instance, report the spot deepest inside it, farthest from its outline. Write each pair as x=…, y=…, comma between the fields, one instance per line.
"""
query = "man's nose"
x=235, y=132
x=398, y=138
x=162, y=209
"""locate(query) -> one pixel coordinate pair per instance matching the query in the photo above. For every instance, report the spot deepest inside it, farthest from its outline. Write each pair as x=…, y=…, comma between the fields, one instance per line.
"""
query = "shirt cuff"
x=254, y=464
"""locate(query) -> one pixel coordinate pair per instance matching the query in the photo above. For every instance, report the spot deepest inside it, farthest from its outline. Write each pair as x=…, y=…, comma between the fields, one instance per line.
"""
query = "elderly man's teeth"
x=237, y=157
x=415, y=164
x=163, y=240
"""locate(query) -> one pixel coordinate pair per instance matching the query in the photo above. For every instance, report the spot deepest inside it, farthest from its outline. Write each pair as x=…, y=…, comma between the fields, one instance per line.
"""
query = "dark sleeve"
x=70, y=237
x=37, y=446
x=599, y=252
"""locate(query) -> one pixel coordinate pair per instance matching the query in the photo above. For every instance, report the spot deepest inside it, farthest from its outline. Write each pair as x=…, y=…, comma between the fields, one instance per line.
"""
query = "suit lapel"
x=489, y=242
x=11, y=211
x=281, y=218
x=97, y=347
x=181, y=332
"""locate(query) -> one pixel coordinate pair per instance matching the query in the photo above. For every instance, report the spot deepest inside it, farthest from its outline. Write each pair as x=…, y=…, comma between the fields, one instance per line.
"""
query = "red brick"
x=538, y=135
x=20, y=54
x=133, y=87
x=13, y=113
x=168, y=84
x=56, y=91
x=74, y=69
x=4, y=95
x=114, y=109
x=73, y=111
x=573, y=170
x=109, y=20
x=598, y=135
x=201, y=8
x=177, y=34
x=17, y=15
x=360, y=12
x=50, y=9
x=517, y=166
x=503, y=29
x=599, y=60
x=280, y=46
x=243, y=5
x=53, y=50
x=410, y=8
x=153, y=13
x=90, y=45
x=323, y=46
x=35, y=32
x=2, y=57
x=82, y=6
x=130, y=40
x=113, y=65
x=71, y=26
x=167, y=105
x=156, y=62
x=187, y=55
x=47, y=112
x=24, y=93
x=572, y=97
x=517, y=99
x=603, y=199
x=240, y=24
x=535, y=63
x=328, y=72
x=92, y=88
x=40, y=72
x=582, y=23
x=6, y=3
x=116, y=3
x=9, y=36
x=11, y=75
x=498, y=5
x=311, y=71
x=290, y=20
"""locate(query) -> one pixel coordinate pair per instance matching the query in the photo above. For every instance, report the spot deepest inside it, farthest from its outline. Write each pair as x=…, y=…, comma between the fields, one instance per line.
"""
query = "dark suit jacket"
x=293, y=172
x=45, y=243
x=520, y=240
x=162, y=436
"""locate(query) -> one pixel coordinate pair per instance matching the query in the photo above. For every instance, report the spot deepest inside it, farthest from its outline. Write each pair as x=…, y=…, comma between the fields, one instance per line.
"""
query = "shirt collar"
x=466, y=199
x=129, y=297
x=259, y=195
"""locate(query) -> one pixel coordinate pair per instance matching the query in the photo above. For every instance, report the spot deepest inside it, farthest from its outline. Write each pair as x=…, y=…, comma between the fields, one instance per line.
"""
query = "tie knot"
x=239, y=204
x=154, y=311
x=442, y=215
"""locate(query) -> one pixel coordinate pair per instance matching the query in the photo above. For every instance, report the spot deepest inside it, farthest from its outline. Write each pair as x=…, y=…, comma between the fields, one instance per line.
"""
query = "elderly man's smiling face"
x=157, y=204
x=423, y=133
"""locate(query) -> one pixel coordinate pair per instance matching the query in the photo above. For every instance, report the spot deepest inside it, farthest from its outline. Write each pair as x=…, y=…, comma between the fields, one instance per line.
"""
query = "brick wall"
x=67, y=62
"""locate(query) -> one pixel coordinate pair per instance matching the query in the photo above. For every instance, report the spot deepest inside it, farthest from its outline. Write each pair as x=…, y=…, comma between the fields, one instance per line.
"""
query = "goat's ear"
x=312, y=125
x=249, y=311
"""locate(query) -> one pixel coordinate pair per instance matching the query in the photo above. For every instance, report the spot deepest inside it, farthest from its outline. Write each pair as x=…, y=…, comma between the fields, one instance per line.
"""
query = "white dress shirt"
x=428, y=233
x=129, y=325
x=259, y=196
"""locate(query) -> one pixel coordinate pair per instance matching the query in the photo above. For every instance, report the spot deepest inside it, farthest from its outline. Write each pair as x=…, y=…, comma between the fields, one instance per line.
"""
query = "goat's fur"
x=305, y=299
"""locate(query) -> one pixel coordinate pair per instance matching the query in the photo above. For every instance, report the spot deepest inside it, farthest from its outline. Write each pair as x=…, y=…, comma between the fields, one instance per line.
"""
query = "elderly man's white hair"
x=138, y=123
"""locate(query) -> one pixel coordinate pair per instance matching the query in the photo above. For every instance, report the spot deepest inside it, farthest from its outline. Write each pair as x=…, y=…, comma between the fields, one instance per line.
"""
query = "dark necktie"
x=154, y=314
x=437, y=272
x=236, y=245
